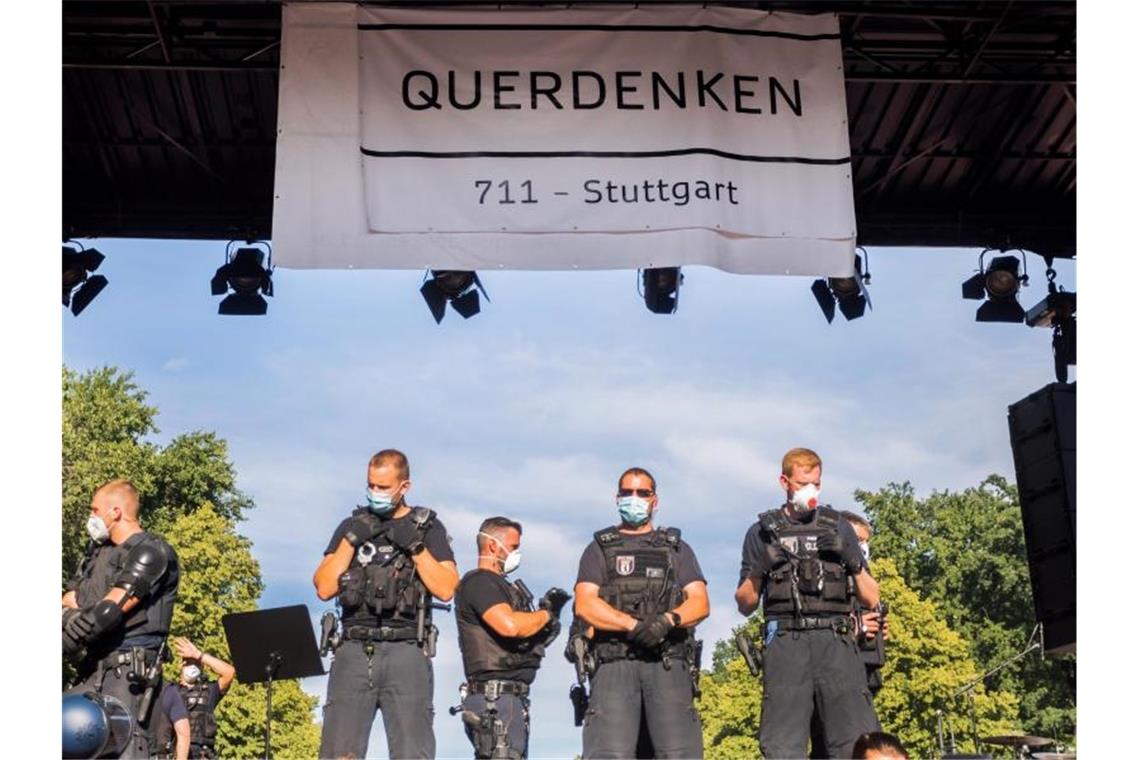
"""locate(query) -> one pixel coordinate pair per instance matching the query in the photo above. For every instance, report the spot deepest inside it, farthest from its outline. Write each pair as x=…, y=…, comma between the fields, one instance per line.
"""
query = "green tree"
x=189, y=495
x=965, y=552
x=106, y=422
x=220, y=576
x=926, y=663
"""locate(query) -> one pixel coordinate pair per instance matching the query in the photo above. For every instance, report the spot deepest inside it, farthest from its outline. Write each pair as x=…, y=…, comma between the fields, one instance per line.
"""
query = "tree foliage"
x=220, y=576
x=189, y=495
x=106, y=422
x=965, y=552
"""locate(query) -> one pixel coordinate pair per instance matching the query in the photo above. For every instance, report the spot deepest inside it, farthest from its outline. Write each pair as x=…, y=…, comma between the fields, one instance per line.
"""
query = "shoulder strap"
x=769, y=521
x=422, y=517
x=826, y=517
x=607, y=537
x=673, y=538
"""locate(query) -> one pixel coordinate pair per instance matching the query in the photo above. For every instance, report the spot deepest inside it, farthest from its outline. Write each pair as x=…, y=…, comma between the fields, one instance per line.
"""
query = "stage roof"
x=962, y=118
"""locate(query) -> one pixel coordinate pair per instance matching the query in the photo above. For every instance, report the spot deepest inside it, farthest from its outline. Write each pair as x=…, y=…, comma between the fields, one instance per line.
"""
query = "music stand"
x=272, y=644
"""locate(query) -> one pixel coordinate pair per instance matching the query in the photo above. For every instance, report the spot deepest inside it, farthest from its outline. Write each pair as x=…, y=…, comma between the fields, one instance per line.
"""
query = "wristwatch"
x=675, y=617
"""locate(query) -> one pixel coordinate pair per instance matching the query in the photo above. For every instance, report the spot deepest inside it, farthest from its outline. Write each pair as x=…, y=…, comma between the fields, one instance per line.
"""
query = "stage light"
x=661, y=289
x=1057, y=310
x=999, y=285
x=77, y=266
x=459, y=288
x=249, y=273
x=850, y=293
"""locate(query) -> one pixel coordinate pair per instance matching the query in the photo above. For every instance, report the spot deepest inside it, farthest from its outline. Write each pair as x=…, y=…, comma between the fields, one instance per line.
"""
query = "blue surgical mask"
x=633, y=510
x=379, y=503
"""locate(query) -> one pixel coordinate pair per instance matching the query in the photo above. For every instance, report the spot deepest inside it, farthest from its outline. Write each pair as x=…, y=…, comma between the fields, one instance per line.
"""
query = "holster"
x=581, y=702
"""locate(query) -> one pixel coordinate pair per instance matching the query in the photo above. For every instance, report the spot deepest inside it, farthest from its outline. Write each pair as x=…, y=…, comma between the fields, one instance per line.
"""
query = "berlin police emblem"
x=624, y=565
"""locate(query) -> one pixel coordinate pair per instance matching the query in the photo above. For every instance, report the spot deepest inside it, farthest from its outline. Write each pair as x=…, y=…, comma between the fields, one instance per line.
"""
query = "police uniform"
x=499, y=669
x=200, y=700
x=116, y=662
x=383, y=659
x=642, y=575
x=811, y=658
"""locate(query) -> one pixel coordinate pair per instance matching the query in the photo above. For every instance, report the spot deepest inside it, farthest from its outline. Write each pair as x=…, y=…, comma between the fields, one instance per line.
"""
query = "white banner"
x=563, y=139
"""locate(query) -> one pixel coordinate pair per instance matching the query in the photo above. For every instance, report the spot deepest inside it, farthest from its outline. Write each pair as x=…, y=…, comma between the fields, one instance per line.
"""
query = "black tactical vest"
x=486, y=653
x=102, y=564
x=821, y=582
x=203, y=725
x=641, y=576
x=381, y=580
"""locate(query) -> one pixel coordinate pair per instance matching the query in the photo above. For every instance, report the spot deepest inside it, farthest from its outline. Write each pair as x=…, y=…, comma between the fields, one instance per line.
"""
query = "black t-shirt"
x=754, y=543
x=436, y=541
x=592, y=566
x=479, y=591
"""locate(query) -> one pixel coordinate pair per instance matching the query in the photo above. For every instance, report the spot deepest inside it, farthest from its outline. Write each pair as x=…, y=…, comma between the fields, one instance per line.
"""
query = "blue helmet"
x=85, y=725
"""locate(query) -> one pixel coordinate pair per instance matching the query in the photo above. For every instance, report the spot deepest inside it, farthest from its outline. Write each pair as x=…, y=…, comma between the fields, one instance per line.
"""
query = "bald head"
x=121, y=494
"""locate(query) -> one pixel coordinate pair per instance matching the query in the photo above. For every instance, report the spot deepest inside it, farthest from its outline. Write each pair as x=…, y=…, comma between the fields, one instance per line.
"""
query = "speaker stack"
x=1043, y=435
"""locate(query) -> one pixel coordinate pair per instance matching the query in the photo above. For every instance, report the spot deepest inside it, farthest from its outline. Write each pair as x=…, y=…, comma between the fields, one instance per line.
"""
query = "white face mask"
x=191, y=673
x=806, y=498
x=866, y=549
x=97, y=529
x=513, y=559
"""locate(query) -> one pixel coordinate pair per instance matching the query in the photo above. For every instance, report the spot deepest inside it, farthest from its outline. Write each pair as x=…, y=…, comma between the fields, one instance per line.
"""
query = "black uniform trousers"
x=618, y=691
x=514, y=712
x=113, y=682
x=397, y=678
x=806, y=670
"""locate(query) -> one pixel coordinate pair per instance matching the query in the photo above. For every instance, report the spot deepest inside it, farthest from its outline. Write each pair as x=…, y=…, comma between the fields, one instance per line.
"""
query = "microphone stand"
x=1035, y=643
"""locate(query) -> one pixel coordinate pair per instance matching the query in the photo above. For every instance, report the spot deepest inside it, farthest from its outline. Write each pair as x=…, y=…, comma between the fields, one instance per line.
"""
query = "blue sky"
x=532, y=408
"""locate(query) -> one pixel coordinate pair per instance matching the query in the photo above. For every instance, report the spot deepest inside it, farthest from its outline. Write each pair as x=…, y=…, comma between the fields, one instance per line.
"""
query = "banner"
x=563, y=139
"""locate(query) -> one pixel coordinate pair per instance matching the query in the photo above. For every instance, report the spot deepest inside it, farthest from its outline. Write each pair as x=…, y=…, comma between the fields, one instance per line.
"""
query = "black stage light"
x=999, y=285
x=661, y=288
x=849, y=292
x=248, y=274
x=77, y=264
x=459, y=288
x=1057, y=310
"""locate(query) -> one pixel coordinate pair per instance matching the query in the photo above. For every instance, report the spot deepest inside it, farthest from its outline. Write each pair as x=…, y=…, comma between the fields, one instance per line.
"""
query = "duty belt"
x=841, y=625
x=383, y=633
x=127, y=657
x=493, y=688
x=611, y=650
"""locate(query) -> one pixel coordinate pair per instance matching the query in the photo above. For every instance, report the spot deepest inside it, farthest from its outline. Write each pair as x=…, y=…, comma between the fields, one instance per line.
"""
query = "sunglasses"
x=644, y=493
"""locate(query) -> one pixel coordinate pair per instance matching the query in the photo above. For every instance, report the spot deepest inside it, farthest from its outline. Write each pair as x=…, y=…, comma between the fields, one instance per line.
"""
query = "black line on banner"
x=603, y=154
x=595, y=28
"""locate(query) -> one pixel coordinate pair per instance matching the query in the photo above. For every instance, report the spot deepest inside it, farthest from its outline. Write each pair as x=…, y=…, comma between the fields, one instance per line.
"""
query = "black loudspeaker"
x=1043, y=435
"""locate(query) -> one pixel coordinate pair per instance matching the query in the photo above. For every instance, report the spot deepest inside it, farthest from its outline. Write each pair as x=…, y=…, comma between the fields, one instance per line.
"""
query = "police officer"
x=868, y=635
x=384, y=564
x=502, y=640
x=639, y=595
x=799, y=557
x=117, y=608
x=200, y=696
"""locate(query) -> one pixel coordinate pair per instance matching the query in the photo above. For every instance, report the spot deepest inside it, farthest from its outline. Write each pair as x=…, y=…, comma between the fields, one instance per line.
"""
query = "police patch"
x=790, y=543
x=624, y=565
x=809, y=543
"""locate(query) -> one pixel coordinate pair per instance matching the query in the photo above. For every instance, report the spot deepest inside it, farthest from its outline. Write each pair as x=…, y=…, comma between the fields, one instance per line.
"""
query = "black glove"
x=553, y=628
x=79, y=628
x=554, y=600
x=772, y=556
x=651, y=633
x=849, y=553
x=75, y=630
x=360, y=529
x=407, y=535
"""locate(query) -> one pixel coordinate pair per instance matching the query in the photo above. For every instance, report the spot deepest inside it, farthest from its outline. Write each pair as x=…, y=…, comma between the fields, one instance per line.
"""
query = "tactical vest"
x=102, y=564
x=821, y=582
x=641, y=578
x=203, y=725
x=485, y=652
x=381, y=580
